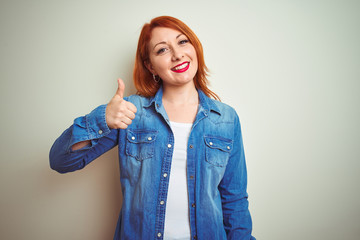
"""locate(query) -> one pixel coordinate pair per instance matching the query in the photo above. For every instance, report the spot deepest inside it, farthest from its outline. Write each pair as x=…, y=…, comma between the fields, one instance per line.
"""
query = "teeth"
x=182, y=66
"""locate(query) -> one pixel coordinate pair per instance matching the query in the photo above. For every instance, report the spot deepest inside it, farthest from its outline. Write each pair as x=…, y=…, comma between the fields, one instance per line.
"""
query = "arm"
x=90, y=136
x=80, y=145
x=84, y=141
x=237, y=219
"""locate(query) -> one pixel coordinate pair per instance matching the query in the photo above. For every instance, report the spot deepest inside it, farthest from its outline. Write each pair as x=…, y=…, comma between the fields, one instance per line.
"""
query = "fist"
x=119, y=113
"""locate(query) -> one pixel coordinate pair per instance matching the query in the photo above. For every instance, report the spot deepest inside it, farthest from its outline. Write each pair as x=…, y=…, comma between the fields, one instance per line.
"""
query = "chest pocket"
x=140, y=144
x=217, y=150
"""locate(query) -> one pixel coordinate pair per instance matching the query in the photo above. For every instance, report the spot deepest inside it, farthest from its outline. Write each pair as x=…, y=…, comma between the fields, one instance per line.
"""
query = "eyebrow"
x=165, y=42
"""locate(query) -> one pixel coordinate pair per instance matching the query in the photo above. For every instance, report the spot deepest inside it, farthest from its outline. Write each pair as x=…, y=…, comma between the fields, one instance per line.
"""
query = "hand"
x=119, y=113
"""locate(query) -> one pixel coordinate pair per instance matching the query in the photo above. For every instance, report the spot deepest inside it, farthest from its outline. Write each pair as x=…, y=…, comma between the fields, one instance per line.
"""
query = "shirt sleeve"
x=91, y=127
x=234, y=197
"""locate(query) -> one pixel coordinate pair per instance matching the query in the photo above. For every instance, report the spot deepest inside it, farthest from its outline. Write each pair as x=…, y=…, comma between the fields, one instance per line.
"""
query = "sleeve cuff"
x=96, y=123
x=90, y=127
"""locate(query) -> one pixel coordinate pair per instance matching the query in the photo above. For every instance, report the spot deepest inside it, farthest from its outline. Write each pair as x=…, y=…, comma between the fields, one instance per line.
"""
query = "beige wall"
x=290, y=68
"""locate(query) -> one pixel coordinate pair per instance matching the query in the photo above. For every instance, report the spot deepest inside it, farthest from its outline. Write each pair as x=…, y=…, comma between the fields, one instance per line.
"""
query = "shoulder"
x=215, y=105
x=135, y=97
x=137, y=100
x=224, y=109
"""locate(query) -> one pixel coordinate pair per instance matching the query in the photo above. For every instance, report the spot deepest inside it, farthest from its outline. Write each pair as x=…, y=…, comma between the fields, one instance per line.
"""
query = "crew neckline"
x=180, y=124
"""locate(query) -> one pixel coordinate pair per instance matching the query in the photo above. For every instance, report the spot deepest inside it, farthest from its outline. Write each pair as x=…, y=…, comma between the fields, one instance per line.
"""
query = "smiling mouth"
x=181, y=67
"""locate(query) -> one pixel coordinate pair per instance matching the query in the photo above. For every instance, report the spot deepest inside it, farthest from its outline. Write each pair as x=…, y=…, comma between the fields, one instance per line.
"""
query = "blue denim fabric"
x=216, y=170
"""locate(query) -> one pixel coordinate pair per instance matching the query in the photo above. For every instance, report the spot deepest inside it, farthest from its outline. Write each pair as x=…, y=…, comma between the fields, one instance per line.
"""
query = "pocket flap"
x=141, y=136
x=220, y=143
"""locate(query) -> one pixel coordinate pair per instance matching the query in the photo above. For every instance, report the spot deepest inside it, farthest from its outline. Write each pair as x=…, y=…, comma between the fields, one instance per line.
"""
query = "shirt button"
x=132, y=138
x=169, y=145
x=165, y=175
x=195, y=237
x=157, y=105
x=191, y=177
x=159, y=234
x=193, y=205
x=228, y=147
x=191, y=146
x=149, y=138
x=162, y=202
x=100, y=132
x=210, y=143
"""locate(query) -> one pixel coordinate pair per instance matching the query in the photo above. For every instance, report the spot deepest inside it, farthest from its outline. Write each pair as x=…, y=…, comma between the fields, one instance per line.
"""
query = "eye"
x=183, y=41
x=161, y=50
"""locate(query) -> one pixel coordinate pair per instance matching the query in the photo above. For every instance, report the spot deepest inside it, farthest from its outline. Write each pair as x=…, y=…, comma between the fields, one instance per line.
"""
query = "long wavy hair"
x=143, y=79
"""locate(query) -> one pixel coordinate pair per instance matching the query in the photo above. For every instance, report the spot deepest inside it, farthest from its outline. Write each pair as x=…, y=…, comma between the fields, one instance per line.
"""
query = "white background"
x=289, y=68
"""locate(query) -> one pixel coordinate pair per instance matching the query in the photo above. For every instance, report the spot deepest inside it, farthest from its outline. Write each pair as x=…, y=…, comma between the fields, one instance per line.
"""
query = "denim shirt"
x=216, y=170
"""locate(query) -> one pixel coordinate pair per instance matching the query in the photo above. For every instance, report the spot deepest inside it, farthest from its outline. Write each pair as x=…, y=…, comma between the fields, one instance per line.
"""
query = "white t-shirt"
x=177, y=222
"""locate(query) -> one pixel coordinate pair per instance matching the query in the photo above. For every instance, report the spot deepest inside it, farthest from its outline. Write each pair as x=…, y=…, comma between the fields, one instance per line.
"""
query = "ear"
x=149, y=66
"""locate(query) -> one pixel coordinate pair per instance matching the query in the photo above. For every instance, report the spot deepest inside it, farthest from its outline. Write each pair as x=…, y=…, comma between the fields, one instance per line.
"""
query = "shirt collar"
x=206, y=104
x=157, y=99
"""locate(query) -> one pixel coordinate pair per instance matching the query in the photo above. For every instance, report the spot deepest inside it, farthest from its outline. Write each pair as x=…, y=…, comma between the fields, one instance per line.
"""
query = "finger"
x=131, y=107
x=126, y=120
x=130, y=114
x=123, y=125
x=121, y=88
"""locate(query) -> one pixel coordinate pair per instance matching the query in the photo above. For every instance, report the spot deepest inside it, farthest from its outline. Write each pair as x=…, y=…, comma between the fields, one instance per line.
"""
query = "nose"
x=177, y=54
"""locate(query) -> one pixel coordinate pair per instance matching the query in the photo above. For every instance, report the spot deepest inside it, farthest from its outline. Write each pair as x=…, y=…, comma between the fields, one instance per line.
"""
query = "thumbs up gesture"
x=119, y=113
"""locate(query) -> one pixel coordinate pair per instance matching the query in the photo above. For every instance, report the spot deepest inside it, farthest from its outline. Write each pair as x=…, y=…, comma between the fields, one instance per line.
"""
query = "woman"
x=181, y=156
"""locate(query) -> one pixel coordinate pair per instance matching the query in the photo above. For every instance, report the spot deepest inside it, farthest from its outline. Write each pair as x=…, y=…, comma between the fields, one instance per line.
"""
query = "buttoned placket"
x=191, y=172
x=164, y=179
x=191, y=166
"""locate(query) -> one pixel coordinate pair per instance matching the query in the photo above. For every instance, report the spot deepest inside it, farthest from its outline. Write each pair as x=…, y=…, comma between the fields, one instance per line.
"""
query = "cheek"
x=193, y=54
x=162, y=67
x=194, y=57
x=158, y=64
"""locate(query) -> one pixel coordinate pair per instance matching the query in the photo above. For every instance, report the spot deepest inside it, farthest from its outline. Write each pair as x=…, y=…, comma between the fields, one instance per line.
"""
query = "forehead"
x=162, y=34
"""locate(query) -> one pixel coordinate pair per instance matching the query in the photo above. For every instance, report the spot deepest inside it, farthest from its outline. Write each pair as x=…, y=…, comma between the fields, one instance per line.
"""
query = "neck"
x=185, y=94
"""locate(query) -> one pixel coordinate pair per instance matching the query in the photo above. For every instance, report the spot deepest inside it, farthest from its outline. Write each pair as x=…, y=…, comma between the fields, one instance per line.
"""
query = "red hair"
x=143, y=79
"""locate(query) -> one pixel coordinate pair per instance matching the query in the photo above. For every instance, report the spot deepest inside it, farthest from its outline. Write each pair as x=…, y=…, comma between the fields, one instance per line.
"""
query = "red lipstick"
x=183, y=67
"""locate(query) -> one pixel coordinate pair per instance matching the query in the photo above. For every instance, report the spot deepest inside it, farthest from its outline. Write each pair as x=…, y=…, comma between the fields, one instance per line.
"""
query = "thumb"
x=121, y=88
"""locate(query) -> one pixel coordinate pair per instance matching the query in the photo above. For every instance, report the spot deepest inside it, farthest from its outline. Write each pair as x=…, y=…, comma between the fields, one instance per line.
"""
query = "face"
x=172, y=57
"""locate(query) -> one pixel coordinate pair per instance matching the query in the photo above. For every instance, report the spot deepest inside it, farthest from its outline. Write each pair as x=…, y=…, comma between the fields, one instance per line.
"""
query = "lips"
x=181, y=67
